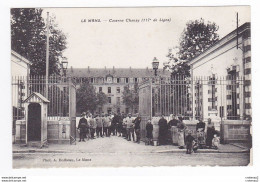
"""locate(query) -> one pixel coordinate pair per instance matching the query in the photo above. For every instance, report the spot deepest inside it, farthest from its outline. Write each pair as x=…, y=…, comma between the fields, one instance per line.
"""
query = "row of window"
x=100, y=89
x=116, y=80
x=117, y=100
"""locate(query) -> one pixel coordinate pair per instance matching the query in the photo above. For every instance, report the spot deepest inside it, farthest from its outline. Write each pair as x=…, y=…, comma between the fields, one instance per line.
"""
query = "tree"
x=131, y=97
x=101, y=99
x=195, y=39
x=87, y=99
x=28, y=38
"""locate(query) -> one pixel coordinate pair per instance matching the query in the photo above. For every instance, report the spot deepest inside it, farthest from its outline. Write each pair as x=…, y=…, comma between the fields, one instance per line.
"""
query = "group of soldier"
x=105, y=125
x=126, y=126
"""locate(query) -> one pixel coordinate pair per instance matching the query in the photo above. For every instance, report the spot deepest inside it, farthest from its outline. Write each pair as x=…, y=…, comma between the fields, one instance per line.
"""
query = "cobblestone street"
x=114, y=151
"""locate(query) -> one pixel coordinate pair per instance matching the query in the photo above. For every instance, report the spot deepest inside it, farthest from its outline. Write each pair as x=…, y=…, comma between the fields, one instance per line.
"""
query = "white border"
x=176, y=173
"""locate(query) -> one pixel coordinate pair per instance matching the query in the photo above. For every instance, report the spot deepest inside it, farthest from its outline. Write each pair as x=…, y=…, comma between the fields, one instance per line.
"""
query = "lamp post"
x=155, y=96
x=64, y=67
x=155, y=65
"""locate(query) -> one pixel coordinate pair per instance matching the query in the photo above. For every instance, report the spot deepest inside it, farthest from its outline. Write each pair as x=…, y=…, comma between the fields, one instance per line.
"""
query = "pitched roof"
x=38, y=96
x=116, y=72
x=20, y=57
x=229, y=37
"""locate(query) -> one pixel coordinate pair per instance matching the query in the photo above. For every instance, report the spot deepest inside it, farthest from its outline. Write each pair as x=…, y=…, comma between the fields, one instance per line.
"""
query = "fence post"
x=72, y=111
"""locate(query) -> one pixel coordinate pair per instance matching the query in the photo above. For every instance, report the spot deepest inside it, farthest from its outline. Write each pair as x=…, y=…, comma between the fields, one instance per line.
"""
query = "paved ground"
x=116, y=151
x=35, y=160
x=115, y=144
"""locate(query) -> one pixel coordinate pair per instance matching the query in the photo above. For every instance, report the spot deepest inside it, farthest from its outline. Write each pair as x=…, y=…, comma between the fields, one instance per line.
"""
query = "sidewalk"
x=116, y=144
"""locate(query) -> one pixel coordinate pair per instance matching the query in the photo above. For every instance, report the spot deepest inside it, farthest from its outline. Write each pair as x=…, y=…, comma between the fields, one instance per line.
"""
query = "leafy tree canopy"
x=131, y=97
x=195, y=39
x=28, y=38
x=87, y=99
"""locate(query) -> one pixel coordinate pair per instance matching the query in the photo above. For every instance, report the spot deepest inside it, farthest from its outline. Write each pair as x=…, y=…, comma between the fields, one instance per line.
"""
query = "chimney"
x=88, y=69
x=114, y=69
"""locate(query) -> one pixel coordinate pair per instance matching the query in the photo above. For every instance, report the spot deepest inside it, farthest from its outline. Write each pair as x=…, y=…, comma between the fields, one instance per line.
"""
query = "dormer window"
x=109, y=79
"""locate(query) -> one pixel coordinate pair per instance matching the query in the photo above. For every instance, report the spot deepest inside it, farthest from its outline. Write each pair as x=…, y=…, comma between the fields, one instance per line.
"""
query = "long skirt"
x=181, y=138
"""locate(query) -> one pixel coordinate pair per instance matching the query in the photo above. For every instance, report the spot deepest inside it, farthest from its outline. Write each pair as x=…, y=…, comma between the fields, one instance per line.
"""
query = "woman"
x=181, y=133
x=210, y=133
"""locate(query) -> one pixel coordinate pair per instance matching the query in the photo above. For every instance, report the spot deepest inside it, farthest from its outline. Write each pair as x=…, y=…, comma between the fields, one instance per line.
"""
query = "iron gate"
x=218, y=98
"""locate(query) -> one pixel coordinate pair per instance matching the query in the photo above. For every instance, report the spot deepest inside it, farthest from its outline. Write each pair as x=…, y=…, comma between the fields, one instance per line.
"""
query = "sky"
x=132, y=37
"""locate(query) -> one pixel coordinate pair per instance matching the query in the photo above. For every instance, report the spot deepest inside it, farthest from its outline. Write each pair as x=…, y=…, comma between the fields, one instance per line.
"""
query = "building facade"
x=112, y=81
x=20, y=69
x=226, y=91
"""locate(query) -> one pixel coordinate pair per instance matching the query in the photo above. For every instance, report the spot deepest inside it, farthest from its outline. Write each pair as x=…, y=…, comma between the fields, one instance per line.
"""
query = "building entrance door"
x=34, y=122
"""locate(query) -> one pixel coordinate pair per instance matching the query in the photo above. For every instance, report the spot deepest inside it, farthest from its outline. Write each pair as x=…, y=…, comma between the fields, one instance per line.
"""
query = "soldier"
x=124, y=133
x=130, y=127
x=120, y=125
x=106, y=125
x=82, y=126
x=92, y=126
x=99, y=126
x=109, y=124
x=137, y=122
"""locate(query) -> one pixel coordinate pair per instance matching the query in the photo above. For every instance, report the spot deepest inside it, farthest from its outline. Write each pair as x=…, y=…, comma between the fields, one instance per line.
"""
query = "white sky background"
x=133, y=44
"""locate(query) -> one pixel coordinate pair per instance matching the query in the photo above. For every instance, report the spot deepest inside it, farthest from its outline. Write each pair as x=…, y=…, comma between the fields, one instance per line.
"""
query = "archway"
x=34, y=122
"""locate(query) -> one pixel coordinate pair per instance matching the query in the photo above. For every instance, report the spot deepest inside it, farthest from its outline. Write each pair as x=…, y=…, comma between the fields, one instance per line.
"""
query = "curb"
x=204, y=151
x=163, y=151
x=239, y=146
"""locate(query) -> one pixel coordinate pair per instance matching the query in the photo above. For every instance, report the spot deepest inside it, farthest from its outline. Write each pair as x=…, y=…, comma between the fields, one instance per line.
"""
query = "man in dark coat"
x=120, y=124
x=163, y=129
x=149, y=132
x=137, y=122
x=82, y=126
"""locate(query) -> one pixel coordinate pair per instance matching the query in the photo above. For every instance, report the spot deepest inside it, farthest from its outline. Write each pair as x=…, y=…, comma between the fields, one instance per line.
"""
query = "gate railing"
x=61, y=94
x=200, y=97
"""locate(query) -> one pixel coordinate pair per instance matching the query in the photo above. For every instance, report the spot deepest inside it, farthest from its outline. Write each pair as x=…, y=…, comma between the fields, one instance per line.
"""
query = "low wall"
x=230, y=130
x=236, y=131
x=58, y=131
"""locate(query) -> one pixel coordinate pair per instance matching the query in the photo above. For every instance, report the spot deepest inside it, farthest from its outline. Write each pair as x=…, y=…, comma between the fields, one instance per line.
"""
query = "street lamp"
x=155, y=64
x=64, y=67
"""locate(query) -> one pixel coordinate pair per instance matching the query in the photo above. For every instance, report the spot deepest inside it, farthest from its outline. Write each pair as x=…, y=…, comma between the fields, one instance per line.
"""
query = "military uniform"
x=82, y=126
x=137, y=123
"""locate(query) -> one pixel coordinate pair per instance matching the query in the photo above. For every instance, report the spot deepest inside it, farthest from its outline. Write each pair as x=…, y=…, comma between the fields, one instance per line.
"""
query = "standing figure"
x=99, y=126
x=120, y=125
x=105, y=124
x=149, y=132
x=124, y=132
x=129, y=127
x=109, y=124
x=92, y=127
x=210, y=133
x=189, y=142
x=200, y=128
x=82, y=126
x=163, y=131
x=114, y=124
x=181, y=133
x=137, y=122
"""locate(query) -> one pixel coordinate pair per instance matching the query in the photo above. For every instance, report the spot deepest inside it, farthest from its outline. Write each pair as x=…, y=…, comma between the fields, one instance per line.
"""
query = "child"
x=215, y=142
x=149, y=132
x=189, y=142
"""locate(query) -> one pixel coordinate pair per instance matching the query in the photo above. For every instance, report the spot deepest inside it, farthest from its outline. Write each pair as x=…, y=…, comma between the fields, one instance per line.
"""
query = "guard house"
x=36, y=119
